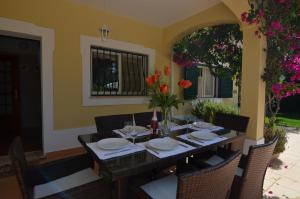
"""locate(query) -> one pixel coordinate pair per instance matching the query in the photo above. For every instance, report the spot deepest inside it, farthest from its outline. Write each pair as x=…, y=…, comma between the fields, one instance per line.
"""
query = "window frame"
x=86, y=42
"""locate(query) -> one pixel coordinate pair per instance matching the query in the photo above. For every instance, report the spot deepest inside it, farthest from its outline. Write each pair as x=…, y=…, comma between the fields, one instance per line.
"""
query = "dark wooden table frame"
x=119, y=169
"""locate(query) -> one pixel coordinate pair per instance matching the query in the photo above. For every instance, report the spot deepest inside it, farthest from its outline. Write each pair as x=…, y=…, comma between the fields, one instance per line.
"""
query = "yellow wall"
x=70, y=20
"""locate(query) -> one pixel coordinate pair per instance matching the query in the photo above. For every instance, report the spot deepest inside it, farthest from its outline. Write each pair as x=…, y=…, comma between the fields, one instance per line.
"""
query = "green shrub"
x=206, y=110
x=272, y=130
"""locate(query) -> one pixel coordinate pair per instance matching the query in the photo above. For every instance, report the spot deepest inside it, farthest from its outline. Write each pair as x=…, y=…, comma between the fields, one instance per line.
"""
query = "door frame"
x=21, y=29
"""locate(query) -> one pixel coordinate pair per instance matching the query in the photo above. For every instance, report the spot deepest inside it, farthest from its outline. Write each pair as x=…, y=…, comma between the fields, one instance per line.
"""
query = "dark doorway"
x=20, y=93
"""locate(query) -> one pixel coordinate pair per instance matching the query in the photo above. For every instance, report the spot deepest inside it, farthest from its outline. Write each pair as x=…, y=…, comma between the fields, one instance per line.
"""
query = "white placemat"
x=201, y=142
x=127, y=135
x=181, y=148
x=106, y=154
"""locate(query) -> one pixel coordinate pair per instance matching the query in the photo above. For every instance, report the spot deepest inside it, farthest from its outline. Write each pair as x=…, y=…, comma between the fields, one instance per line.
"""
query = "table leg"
x=120, y=190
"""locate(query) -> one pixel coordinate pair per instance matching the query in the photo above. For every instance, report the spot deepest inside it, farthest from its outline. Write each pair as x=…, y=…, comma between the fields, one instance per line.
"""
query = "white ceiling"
x=156, y=12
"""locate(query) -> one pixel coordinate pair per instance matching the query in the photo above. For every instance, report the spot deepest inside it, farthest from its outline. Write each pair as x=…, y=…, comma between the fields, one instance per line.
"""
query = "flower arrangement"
x=159, y=92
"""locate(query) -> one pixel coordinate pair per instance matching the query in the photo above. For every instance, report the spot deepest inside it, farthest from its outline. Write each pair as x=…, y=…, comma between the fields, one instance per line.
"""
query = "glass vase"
x=166, y=122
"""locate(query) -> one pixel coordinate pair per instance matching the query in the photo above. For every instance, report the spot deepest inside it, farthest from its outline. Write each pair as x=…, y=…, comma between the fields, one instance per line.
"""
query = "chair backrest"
x=232, y=122
x=210, y=183
x=108, y=123
x=257, y=162
x=144, y=118
x=20, y=166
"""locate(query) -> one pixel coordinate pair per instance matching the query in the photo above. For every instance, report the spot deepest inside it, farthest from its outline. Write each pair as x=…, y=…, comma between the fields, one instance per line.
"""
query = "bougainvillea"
x=279, y=21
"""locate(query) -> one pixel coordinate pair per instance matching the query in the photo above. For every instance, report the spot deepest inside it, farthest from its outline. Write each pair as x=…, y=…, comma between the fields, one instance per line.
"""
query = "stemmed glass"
x=132, y=131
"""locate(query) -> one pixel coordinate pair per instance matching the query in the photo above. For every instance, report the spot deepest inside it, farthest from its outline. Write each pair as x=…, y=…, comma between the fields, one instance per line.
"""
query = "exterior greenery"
x=218, y=47
x=272, y=130
x=289, y=120
x=206, y=110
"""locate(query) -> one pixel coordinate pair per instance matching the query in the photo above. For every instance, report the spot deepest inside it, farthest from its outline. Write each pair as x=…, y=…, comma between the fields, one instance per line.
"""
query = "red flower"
x=149, y=81
x=155, y=78
x=164, y=89
x=167, y=70
x=185, y=83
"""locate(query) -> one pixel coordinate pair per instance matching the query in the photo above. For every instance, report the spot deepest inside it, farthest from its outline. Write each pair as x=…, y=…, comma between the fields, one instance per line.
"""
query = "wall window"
x=116, y=72
x=205, y=85
x=113, y=72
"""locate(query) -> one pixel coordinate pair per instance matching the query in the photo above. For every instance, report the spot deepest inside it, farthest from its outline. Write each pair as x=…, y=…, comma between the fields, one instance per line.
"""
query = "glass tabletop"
x=139, y=162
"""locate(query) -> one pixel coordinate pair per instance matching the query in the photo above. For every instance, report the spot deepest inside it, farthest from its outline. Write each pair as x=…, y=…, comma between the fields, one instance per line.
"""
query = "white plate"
x=112, y=143
x=164, y=144
x=138, y=129
x=204, y=134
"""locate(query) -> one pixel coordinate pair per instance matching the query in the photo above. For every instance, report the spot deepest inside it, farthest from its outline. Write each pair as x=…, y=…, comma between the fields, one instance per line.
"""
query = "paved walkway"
x=283, y=178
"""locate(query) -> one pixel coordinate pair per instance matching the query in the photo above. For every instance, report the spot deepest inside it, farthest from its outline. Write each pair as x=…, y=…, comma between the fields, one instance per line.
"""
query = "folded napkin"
x=127, y=135
x=179, y=127
x=189, y=138
x=106, y=154
x=212, y=127
x=181, y=148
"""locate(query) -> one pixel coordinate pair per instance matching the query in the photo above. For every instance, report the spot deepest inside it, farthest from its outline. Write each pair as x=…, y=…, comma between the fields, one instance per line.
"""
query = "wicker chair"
x=144, y=118
x=108, y=123
x=248, y=183
x=67, y=178
x=232, y=122
x=210, y=183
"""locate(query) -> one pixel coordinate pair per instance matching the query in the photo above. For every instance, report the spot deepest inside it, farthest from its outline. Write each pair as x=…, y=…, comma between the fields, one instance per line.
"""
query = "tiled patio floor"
x=283, y=178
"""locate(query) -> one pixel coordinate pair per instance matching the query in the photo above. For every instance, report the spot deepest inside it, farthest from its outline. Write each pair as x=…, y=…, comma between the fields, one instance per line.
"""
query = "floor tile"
x=277, y=191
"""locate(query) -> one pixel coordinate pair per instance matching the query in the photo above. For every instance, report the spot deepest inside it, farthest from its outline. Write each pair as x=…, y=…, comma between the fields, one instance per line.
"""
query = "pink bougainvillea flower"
x=244, y=17
x=261, y=13
x=270, y=192
x=276, y=25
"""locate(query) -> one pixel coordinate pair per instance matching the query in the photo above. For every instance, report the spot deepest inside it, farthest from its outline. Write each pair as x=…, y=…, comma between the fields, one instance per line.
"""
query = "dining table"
x=119, y=168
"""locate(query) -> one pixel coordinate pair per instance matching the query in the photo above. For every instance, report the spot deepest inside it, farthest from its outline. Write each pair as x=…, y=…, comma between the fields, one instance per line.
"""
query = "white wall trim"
x=85, y=45
x=68, y=138
x=249, y=142
x=23, y=29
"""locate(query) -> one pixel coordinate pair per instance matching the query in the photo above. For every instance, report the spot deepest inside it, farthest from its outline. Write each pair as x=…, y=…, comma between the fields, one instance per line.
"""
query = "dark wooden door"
x=9, y=101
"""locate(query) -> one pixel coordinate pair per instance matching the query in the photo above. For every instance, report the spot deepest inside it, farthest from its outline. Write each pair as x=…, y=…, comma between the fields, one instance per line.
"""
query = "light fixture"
x=104, y=30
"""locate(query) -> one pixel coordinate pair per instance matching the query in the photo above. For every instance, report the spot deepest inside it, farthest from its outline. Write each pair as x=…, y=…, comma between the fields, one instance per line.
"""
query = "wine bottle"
x=154, y=123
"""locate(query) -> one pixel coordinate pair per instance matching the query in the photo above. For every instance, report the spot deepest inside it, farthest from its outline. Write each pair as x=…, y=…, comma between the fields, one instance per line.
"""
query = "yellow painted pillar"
x=253, y=87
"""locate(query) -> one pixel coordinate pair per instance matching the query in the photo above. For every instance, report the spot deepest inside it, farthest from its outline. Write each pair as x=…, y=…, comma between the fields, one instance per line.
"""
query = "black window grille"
x=118, y=73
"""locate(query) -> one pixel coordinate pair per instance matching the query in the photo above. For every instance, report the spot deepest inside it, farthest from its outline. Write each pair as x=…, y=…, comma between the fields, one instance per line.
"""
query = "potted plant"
x=161, y=97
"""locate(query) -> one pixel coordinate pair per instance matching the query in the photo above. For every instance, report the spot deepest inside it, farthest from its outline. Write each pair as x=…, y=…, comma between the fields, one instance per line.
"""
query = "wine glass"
x=133, y=135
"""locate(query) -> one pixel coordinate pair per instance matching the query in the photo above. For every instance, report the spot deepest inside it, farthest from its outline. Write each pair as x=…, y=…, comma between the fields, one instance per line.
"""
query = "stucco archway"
x=253, y=88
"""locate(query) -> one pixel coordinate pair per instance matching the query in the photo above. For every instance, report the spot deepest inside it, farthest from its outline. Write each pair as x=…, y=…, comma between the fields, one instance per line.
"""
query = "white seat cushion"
x=68, y=182
x=164, y=188
x=239, y=172
x=214, y=160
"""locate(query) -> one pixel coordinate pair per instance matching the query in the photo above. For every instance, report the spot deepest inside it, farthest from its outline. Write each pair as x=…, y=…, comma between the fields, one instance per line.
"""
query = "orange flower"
x=185, y=83
x=167, y=70
x=164, y=89
x=149, y=80
x=154, y=78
